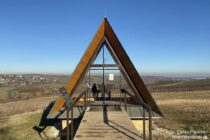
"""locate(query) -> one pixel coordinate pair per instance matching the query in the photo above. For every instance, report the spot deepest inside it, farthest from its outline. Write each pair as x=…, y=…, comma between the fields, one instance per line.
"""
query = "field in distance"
x=185, y=103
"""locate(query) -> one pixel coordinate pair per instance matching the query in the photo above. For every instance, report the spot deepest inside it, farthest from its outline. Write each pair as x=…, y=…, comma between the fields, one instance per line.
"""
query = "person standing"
x=95, y=91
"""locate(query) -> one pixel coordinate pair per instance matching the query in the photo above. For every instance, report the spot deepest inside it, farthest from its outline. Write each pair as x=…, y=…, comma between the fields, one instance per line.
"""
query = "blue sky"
x=50, y=36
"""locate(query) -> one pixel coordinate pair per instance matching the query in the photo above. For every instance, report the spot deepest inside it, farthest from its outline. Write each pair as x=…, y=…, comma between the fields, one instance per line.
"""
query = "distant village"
x=23, y=79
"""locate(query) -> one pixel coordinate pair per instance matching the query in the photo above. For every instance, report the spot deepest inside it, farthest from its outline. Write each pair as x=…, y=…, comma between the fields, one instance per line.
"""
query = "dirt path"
x=172, y=84
x=19, y=107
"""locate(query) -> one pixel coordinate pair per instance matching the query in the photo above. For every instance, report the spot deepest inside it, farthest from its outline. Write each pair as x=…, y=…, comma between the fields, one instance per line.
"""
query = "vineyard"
x=180, y=86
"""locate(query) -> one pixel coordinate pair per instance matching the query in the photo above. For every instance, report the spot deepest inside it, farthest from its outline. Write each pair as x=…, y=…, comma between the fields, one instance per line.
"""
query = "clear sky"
x=50, y=36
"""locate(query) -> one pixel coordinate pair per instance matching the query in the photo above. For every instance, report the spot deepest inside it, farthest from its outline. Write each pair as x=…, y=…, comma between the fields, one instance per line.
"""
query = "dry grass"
x=19, y=127
x=188, y=111
x=18, y=107
x=184, y=111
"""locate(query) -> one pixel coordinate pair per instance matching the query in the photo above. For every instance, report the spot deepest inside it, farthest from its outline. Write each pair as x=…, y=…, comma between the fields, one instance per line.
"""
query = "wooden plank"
x=106, y=125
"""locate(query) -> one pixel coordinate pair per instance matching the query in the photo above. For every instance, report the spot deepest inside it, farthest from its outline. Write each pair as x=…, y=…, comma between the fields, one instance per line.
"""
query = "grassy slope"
x=184, y=111
x=4, y=93
x=20, y=127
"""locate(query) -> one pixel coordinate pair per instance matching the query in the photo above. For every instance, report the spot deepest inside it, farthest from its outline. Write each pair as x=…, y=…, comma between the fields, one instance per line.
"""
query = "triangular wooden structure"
x=105, y=35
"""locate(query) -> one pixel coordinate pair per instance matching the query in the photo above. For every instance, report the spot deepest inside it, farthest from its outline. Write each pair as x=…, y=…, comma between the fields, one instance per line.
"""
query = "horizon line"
x=166, y=74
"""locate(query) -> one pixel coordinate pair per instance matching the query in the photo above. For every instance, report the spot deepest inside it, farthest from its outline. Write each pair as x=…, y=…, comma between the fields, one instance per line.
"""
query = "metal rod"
x=104, y=69
x=85, y=102
x=89, y=96
x=120, y=98
x=67, y=121
x=103, y=65
x=120, y=88
x=125, y=101
x=89, y=77
x=144, y=136
x=103, y=77
x=150, y=124
x=89, y=85
x=72, y=123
